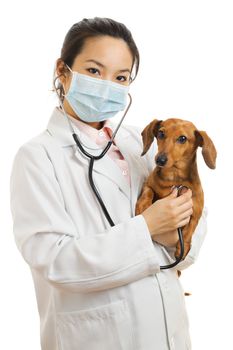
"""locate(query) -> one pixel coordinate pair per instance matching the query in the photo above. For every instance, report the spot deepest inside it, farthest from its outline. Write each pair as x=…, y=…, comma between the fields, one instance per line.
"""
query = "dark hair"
x=93, y=27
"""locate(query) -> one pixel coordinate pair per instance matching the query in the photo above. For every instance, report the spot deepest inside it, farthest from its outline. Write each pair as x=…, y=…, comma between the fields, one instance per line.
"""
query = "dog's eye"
x=182, y=139
x=160, y=135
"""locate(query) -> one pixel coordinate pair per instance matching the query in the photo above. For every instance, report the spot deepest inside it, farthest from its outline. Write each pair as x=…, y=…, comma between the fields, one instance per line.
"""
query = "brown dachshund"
x=176, y=164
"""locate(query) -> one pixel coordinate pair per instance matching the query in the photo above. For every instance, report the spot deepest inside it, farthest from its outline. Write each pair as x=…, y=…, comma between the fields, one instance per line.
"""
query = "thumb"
x=174, y=192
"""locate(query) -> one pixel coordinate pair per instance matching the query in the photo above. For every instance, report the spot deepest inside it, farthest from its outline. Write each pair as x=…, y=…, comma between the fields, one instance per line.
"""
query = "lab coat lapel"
x=58, y=126
x=105, y=166
x=134, y=165
x=108, y=167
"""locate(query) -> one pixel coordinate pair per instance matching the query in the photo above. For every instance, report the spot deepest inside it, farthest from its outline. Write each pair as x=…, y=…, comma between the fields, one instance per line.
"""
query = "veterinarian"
x=98, y=286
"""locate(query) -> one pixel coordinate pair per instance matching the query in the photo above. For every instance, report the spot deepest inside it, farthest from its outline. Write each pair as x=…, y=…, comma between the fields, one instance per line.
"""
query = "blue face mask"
x=94, y=99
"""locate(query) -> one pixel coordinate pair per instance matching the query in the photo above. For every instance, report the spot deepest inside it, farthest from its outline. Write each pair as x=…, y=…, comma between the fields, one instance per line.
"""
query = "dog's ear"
x=149, y=133
x=208, y=149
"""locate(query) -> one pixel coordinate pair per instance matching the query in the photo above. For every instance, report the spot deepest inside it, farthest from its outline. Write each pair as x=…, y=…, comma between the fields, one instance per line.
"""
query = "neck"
x=69, y=110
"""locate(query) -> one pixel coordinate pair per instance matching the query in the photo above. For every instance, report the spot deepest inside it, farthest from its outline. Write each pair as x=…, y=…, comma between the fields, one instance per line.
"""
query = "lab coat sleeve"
x=47, y=239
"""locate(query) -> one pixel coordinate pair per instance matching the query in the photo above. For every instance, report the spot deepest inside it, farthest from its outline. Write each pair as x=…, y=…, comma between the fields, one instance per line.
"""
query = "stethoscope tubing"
x=169, y=266
x=90, y=176
x=101, y=155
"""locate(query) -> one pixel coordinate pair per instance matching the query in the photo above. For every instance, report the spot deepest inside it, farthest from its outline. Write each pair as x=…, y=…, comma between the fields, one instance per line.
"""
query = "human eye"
x=93, y=70
x=121, y=78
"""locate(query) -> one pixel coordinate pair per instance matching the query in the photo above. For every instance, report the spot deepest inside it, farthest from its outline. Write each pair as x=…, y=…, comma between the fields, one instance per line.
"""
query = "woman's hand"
x=169, y=239
x=165, y=215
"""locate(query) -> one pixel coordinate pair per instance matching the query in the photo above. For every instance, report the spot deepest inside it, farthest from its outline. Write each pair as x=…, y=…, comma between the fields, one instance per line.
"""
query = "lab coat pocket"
x=102, y=328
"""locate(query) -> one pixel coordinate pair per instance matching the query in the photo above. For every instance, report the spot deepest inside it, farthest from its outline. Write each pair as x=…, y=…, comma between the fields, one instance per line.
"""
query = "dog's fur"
x=180, y=167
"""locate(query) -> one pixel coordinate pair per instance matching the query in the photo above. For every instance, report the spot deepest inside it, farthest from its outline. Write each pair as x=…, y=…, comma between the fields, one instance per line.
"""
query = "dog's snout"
x=161, y=160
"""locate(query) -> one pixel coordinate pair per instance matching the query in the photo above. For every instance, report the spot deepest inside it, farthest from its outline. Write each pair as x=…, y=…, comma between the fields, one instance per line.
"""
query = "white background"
x=186, y=72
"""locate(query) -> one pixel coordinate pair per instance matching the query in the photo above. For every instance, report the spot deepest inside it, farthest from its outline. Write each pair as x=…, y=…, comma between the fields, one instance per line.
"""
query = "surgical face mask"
x=94, y=99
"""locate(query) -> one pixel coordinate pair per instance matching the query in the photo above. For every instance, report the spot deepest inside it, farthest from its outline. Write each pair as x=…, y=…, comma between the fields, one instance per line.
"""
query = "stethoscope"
x=101, y=155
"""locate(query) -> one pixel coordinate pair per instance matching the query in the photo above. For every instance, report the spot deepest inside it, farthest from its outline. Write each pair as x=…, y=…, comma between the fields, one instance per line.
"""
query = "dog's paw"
x=141, y=205
x=138, y=209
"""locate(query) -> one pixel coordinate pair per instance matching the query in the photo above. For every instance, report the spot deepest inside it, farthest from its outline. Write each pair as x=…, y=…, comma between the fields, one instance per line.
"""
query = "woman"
x=99, y=286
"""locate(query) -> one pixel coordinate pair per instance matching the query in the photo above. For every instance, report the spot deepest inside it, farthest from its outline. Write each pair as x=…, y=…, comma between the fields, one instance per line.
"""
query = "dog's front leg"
x=145, y=199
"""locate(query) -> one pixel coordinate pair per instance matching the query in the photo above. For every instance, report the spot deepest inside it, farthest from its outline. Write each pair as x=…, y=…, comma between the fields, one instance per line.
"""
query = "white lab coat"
x=97, y=287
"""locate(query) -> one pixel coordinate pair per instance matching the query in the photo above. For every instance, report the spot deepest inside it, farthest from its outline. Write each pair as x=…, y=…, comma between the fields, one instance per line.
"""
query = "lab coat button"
x=172, y=343
x=101, y=133
x=124, y=172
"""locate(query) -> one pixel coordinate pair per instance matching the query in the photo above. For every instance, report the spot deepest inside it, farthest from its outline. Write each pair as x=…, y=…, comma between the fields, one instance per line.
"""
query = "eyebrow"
x=101, y=65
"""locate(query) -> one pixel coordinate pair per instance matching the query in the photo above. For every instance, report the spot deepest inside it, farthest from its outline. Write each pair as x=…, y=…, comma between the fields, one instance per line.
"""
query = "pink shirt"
x=101, y=137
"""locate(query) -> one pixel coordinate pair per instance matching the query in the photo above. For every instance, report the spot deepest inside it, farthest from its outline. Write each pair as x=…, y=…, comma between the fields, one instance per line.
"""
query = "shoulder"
x=134, y=130
x=135, y=135
x=33, y=150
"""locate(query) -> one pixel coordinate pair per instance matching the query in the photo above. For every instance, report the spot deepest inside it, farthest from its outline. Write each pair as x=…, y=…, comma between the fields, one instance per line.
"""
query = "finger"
x=182, y=198
x=183, y=223
x=186, y=214
x=184, y=207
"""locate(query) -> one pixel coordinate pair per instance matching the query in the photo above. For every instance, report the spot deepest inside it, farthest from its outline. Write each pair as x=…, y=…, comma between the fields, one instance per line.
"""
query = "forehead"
x=178, y=127
x=107, y=50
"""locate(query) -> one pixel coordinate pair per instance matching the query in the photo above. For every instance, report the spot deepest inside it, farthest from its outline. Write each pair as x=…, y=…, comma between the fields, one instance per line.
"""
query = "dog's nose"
x=161, y=160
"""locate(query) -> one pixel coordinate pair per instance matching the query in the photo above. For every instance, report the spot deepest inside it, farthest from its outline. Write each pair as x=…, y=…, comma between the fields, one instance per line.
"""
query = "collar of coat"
x=58, y=126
